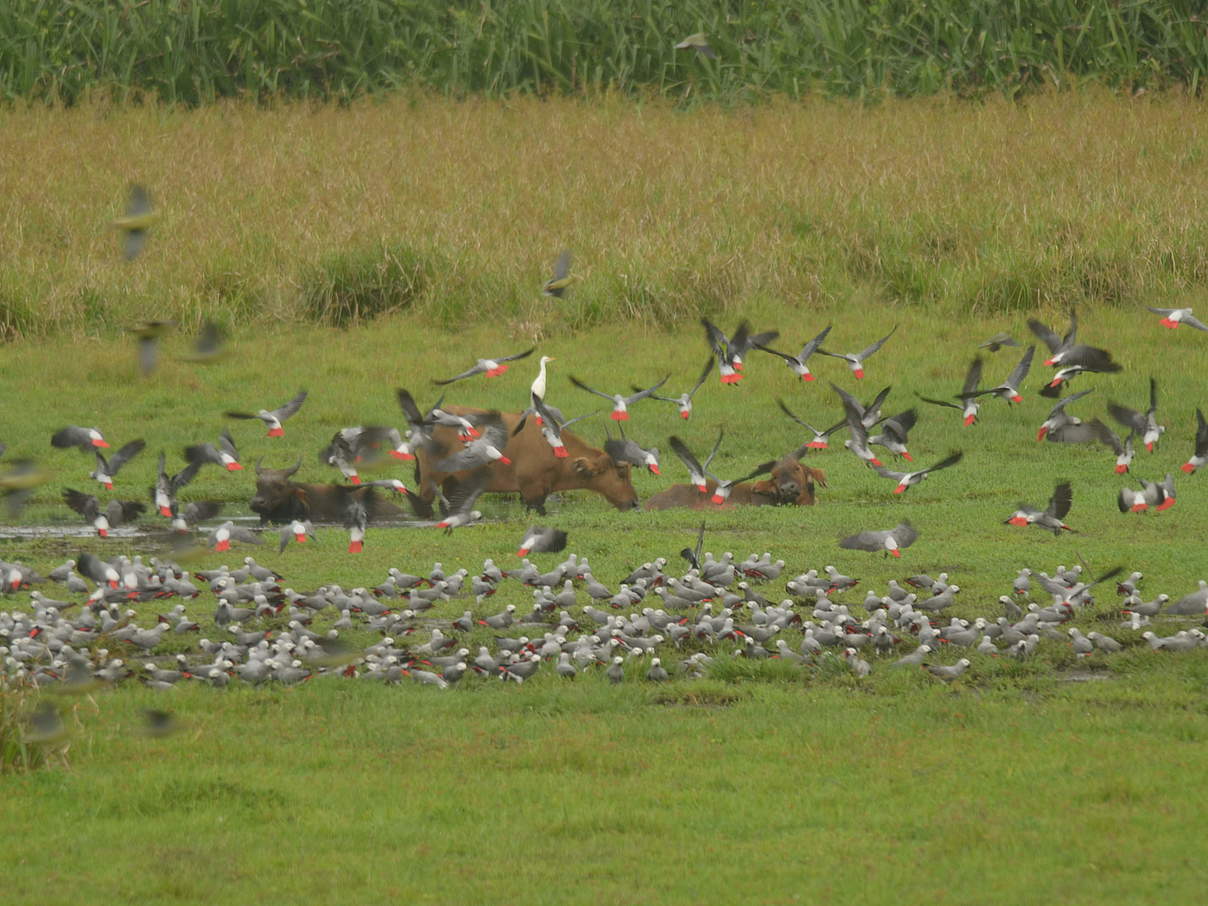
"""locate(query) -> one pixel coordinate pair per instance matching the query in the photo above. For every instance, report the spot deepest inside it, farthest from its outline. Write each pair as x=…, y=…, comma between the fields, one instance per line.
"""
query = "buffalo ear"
x=302, y=501
x=818, y=475
x=582, y=467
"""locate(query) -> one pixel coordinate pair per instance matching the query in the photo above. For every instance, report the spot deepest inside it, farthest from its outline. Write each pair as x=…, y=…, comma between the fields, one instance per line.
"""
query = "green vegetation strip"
x=198, y=51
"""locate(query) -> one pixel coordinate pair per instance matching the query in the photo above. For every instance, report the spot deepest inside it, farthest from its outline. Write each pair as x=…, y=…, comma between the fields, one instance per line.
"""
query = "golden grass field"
x=992, y=206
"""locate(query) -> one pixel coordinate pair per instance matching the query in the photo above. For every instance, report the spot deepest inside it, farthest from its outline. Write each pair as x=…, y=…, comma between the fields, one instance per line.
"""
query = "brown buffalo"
x=791, y=484
x=534, y=470
x=280, y=500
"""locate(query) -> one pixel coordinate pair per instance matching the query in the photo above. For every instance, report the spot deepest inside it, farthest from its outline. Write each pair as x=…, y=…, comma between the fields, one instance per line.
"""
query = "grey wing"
x=124, y=455
x=578, y=383
x=926, y=399
x=148, y=352
x=642, y=394
x=355, y=515
x=291, y=407
x=201, y=510
x=1020, y=371
x=851, y=406
x=407, y=403
x=519, y=355
x=71, y=436
x=833, y=355
x=562, y=265
x=686, y=456
x=493, y=430
x=1045, y=334
x=905, y=534
x=122, y=511
x=185, y=475
x=1069, y=399
x=199, y=454
x=1085, y=433
x=1062, y=499
x=1192, y=321
x=721, y=432
x=889, y=473
x=239, y=533
x=466, y=458
x=716, y=339
x=548, y=415
x=133, y=243
x=950, y=460
x=864, y=541
x=1201, y=433
x=477, y=369
x=571, y=421
x=761, y=469
x=209, y=341
x=789, y=412
x=877, y=345
x=227, y=444
x=84, y=504
x=138, y=202
x=468, y=491
x=1162, y=311
x=1129, y=418
x=973, y=376
x=624, y=451
x=812, y=346
x=778, y=353
x=700, y=380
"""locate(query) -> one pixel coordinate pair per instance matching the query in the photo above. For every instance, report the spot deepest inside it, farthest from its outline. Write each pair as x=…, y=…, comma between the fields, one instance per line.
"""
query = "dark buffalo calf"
x=280, y=500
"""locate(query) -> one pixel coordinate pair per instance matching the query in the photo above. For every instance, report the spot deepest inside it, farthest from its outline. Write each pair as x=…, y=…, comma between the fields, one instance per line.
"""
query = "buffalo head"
x=277, y=498
x=604, y=475
x=794, y=482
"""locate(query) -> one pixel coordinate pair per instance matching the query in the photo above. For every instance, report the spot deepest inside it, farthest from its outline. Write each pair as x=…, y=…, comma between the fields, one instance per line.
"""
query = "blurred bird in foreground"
x=699, y=43
x=148, y=334
x=562, y=279
x=134, y=224
x=210, y=345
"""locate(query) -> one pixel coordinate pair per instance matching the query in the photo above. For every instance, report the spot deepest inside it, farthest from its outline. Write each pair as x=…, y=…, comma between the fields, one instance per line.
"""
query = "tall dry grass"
x=457, y=210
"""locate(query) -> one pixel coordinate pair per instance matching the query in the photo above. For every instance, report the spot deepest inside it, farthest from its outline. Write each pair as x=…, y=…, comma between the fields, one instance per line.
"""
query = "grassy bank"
x=456, y=211
x=197, y=51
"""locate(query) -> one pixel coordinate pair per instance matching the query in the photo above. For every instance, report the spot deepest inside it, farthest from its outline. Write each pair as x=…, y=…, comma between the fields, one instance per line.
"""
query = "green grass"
x=471, y=794
x=590, y=793
x=200, y=51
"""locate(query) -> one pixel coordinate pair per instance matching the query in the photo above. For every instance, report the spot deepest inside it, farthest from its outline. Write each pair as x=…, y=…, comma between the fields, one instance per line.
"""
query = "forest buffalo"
x=791, y=484
x=533, y=469
x=278, y=499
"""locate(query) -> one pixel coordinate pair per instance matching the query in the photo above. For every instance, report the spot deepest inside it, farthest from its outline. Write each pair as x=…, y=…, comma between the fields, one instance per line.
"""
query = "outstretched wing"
x=578, y=383
x=283, y=412
x=877, y=345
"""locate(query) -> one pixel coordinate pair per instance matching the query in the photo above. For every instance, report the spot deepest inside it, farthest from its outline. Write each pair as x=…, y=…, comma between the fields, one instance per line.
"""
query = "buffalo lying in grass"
x=791, y=484
x=278, y=499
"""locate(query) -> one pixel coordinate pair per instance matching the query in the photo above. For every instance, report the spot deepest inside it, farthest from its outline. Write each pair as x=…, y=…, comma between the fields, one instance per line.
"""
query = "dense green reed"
x=196, y=51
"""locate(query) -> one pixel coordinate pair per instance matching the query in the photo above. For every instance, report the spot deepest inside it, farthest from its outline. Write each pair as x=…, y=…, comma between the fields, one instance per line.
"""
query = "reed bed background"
x=325, y=214
x=196, y=51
